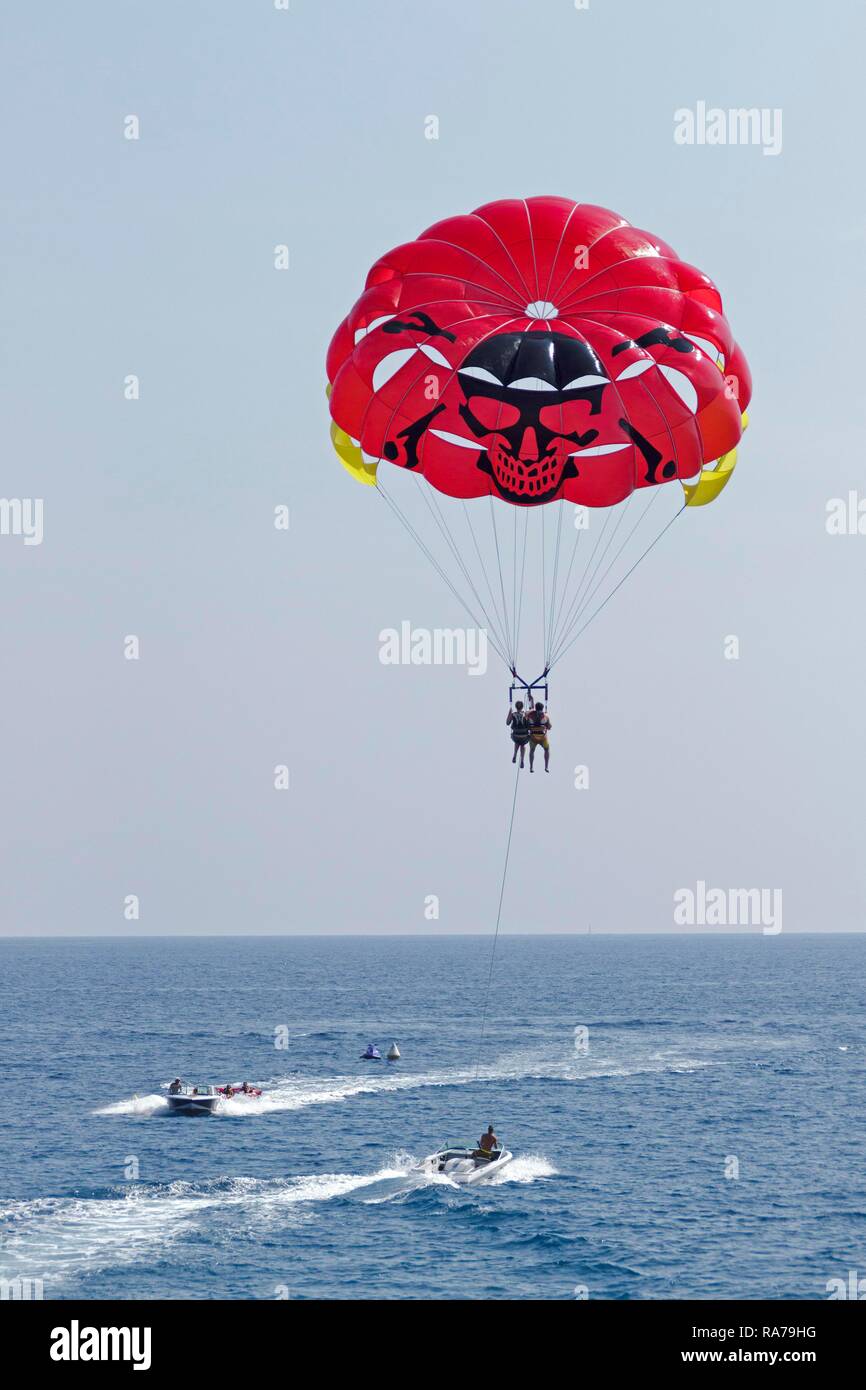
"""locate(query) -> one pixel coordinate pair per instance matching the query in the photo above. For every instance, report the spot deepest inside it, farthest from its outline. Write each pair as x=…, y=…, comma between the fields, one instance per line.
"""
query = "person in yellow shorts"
x=539, y=724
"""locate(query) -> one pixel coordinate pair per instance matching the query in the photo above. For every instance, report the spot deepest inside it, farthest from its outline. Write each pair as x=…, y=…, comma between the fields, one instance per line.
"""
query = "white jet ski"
x=465, y=1165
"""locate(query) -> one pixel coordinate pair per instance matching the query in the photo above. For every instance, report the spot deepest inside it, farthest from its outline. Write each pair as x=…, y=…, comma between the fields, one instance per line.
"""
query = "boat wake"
x=525, y=1169
x=407, y=1176
x=137, y=1105
x=59, y=1238
x=297, y=1093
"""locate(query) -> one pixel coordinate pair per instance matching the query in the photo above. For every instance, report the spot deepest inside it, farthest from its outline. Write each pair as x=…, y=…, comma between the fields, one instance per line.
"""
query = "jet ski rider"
x=487, y=1145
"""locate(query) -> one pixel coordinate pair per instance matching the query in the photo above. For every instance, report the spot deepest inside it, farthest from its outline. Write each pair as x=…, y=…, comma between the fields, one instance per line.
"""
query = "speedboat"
x=193, y=1100
x=465, y=1165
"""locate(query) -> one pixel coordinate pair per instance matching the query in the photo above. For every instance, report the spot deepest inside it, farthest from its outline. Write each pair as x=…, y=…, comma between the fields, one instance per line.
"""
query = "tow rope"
x=498, y=920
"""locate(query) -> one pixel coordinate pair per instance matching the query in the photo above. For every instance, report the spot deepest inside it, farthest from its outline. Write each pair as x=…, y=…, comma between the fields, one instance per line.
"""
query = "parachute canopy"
x=535, y=351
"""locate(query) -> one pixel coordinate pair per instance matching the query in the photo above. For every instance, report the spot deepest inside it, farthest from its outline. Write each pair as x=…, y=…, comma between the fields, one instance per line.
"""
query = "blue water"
x=700, y=1048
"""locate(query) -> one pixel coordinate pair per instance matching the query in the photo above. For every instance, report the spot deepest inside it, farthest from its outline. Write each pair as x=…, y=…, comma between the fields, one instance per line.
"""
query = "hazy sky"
x=156, y=257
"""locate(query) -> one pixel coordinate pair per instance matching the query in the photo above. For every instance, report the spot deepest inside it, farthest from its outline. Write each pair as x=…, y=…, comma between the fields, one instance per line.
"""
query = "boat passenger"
x=176, y=1087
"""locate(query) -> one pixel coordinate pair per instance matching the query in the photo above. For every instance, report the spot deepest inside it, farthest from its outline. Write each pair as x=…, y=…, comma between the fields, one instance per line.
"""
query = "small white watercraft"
x=465, y=1165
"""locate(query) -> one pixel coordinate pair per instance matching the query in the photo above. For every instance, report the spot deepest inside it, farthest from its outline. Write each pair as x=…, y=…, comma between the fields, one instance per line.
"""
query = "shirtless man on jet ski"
x=487, y=1144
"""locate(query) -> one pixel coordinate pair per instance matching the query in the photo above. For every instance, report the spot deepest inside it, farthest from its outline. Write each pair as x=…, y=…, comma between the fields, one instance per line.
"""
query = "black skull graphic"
x=529, y=396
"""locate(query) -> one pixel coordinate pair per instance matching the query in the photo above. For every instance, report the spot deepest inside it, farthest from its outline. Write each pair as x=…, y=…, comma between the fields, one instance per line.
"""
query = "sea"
x=686, y=1115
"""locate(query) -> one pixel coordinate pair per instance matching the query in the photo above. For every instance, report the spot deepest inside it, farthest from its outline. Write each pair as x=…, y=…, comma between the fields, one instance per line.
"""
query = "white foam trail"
x=57, y=1238
x=297, y=1093
x=525, y=1169
x=138, y=1105
x=322, y=1187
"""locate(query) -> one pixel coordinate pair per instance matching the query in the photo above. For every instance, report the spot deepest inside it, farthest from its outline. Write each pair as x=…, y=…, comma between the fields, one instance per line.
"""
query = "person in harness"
x=518, y=721
x=539, y=724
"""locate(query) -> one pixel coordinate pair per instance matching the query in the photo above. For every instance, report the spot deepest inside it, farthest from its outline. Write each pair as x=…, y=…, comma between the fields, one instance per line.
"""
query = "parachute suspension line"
x=445, y=531
x=498, y=920
x=582, y=581
x=508, y=637
x=548, y=641
x=574, y=549
x=435, y=563
x=543, y=575
x=622, y=514
x=435, y=511
x=590, y=596
x=520, y=587
x=514, y=582
x=595, y=614
x=499, y=618
x=592, y=570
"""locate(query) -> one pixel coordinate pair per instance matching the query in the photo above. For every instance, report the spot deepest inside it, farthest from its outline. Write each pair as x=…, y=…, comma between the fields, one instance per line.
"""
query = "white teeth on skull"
x=530, y=479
